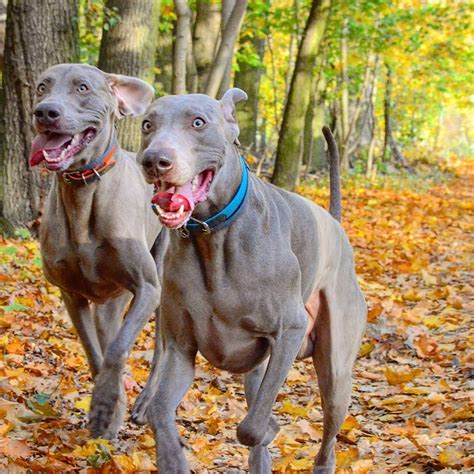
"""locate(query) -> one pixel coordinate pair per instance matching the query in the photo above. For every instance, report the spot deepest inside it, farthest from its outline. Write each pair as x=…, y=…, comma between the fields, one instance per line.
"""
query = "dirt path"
x=410, y=410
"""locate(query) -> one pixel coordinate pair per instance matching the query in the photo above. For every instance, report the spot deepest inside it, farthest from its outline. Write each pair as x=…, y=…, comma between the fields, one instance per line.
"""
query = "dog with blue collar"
x=263, y=277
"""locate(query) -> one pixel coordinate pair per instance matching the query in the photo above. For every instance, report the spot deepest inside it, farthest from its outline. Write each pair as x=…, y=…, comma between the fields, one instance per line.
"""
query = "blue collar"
x=224, y=217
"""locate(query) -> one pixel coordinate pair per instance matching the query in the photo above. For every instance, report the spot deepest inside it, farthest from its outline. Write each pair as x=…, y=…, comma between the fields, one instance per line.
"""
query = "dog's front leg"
x=284, y=347
x=175, y=374
x=108, y=398
x=260, y=460
x=81, y=316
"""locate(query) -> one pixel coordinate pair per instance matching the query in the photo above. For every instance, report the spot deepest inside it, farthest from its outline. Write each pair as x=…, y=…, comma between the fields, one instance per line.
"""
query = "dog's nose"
x=159, y=160
x=47, y=113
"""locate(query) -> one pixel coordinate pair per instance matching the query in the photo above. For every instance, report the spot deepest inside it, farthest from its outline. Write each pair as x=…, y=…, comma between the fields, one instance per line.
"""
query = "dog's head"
x=185, y=139
x=75, y=109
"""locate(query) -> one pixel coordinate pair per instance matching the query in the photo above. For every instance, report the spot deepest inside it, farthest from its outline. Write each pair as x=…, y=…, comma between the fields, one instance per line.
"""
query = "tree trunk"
x=181, y=46
x=353, y=139
x=38, y=35
x=286, y=165
x=372, y=103
x=164, y=62
x=318, y=156
x=308, y=135
x=227, y=7
x=3, y=18
x=386, y=112
x=344, y=138
x=247, y=78
x=192, y=80
x=391, y=147
x=314, y=140
x=226, y=48
x=205, y=38
x=129, y=47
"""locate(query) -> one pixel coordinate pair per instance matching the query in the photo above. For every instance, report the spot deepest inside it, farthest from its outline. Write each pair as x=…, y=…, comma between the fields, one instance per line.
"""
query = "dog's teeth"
x=181, y=210
x=75, y=139
x=194, y=183
x=46, y=156
x=160, y=211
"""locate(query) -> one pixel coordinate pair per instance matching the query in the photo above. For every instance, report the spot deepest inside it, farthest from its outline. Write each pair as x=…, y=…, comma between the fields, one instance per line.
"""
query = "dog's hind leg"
x=108, y=318
x=80, y=313
x=339, y=329
x=260, y=460
x=146, y=395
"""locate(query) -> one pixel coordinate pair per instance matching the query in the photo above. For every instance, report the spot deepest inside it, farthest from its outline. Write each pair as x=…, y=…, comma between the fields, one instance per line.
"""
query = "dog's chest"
x=79, y=269
x=225, y=329
x=235, y=307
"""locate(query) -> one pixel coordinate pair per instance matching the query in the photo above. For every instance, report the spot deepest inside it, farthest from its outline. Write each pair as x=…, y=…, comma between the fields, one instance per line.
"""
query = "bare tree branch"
x=226, y=47
x=183, y=27
x=227, y=8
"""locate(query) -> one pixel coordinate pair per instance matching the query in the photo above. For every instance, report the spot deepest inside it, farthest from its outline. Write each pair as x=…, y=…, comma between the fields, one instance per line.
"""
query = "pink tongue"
x=49, y=142
x=175, y=197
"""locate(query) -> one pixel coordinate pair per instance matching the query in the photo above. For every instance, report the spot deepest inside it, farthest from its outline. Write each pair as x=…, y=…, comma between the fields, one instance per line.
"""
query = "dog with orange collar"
x=101, y=244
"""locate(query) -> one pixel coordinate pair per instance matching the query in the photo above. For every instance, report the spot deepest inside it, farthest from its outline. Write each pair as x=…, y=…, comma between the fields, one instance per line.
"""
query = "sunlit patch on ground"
x=410, y=406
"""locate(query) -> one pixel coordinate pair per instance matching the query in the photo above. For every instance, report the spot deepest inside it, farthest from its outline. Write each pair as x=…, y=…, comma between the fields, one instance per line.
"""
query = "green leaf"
x=23, y=233
x=9, y=250
x=14, y=307
x=40, y=405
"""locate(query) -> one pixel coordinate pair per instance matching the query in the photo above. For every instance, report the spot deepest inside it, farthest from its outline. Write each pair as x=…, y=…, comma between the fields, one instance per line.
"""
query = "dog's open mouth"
x=175, y=204
x=57, y=150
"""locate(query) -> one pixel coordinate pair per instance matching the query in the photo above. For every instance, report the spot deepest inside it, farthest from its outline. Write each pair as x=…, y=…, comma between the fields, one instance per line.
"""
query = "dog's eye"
x=83, y=88
x=146, y=126
x=198, y=122
x=41, y=88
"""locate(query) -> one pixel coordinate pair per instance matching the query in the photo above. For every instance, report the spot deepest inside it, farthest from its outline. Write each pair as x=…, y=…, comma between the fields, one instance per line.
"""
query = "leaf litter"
x=412, y=405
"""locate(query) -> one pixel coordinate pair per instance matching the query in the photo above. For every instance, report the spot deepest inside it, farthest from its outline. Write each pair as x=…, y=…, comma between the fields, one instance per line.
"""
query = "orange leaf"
x=395, y=377
x=14, y=448
x=306, y=428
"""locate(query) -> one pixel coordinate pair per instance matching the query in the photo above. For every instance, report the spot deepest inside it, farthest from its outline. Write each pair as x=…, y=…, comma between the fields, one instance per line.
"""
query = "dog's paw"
x=139, y=416
x=250, y=433
x=260, y=461
x=108, y=406
x=325, y=463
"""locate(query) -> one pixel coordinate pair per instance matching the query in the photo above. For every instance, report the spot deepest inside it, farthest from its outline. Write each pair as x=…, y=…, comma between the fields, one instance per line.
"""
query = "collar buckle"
x=94, y=170
x=184, y=232
x=204, y=225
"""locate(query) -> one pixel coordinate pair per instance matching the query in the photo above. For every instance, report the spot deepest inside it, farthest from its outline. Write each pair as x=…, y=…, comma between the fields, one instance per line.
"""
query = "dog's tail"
x=335, y=207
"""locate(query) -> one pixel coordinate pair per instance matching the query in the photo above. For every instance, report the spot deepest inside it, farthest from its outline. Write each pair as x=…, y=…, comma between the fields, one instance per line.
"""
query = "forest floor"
x=410, y=412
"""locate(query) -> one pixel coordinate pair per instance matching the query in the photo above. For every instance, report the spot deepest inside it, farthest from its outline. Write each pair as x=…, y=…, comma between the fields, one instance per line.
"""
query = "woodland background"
x=394, y=80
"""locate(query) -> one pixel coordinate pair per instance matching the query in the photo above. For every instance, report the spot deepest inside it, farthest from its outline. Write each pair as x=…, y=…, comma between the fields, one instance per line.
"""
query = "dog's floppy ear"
x=133, y=95
x=228, y=101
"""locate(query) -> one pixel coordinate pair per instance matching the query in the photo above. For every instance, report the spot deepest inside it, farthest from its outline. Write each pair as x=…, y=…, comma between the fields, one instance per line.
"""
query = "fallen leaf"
x=399, y=376
x=14, y=448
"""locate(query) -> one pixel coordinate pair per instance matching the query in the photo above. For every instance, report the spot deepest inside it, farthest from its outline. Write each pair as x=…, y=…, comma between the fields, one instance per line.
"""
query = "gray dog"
x=97, y=230
x=254, y=278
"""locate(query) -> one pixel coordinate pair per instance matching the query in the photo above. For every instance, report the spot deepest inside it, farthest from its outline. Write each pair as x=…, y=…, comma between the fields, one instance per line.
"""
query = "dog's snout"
x=47, y=113
x=159, y=160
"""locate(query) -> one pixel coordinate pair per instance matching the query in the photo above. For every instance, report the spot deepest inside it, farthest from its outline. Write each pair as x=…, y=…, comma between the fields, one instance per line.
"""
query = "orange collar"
x=94, y=170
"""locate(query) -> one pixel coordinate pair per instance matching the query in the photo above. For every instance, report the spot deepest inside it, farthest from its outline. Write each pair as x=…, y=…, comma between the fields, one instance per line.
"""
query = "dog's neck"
x=77, y=200
x=224, y=186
